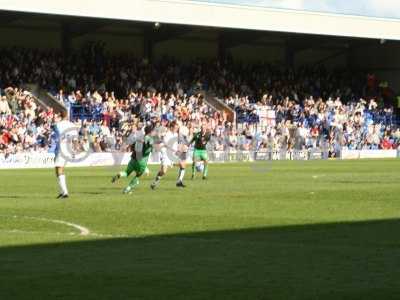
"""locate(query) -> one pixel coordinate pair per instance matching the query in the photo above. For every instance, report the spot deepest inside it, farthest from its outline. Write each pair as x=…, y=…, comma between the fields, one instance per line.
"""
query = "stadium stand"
x=110, y=97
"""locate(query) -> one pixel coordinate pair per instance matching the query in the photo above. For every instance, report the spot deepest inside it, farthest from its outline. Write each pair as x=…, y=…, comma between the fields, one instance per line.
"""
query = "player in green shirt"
x=200, y=140
x=141, y=151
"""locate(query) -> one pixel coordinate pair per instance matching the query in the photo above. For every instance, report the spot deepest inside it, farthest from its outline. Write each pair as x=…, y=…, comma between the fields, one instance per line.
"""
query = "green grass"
x=303, y=230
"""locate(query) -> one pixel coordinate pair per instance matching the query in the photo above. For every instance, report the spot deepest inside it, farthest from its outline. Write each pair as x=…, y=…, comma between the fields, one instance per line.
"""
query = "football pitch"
x=285, y=230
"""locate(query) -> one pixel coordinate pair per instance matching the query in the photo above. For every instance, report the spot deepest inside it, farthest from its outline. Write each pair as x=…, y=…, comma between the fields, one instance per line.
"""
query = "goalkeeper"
x=141, y=150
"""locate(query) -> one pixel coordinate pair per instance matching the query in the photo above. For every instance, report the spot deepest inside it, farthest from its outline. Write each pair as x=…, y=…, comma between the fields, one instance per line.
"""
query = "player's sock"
x=134, y=182
x=193, y=170
x=123, y=174
x=181, y=174
x=158, y=177
x=62, y=184
x=205, y=172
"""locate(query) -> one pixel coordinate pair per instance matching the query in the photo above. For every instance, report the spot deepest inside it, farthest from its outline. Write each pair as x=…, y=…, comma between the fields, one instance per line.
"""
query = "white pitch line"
x=35, y=232
x=109, y=235
x=83, y=231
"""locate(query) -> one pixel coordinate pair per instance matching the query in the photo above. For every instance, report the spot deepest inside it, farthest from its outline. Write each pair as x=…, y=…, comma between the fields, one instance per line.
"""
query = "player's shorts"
x=182, y=156
x=137, y=166
x=199, y=154
x=60, y=161
x=164, y=159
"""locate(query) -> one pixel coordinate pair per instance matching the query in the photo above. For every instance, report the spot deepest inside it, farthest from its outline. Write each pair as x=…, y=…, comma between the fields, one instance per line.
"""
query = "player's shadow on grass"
x=324, y=261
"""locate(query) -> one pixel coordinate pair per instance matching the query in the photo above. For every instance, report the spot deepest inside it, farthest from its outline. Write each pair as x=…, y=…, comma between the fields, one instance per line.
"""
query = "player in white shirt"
x=164, y=141
x=183, y=141
x=64, y=132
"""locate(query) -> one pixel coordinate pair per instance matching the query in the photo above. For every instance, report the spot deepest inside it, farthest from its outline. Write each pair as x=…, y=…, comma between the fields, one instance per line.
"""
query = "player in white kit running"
x=164, y=141
x=182, y=153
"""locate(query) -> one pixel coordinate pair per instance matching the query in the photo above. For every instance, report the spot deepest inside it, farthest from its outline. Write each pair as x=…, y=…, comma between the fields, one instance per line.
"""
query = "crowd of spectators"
x=28, y=127
x=24, y=126
x=112, y=97
x=355, y=125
